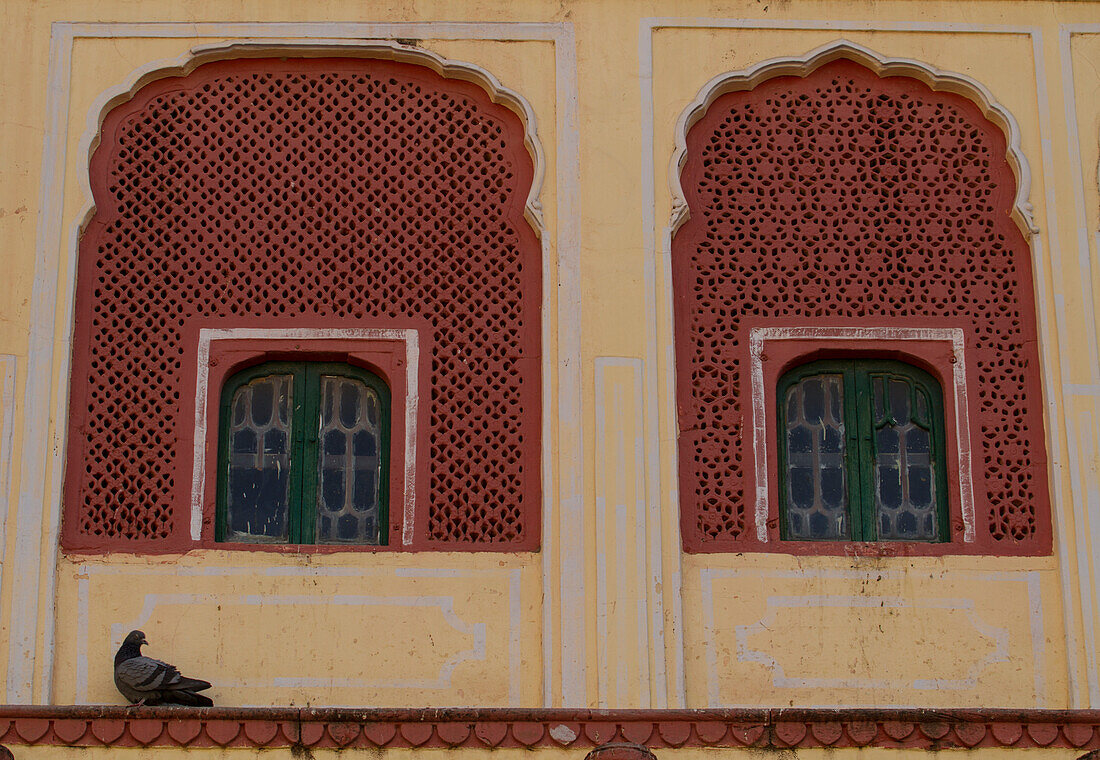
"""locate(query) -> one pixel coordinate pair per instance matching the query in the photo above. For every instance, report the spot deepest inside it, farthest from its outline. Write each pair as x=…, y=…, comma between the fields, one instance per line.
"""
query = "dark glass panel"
x=350, y=403
x=918, y=441
x=920, y=485
x=350, y=461
x=816, y=476
x=899, y=401
x=813, y=396
x=258, y=478
x=263, y=403
x=889, y=487
x=364, y=444
x=904, y=476
x=802, y=487
x=832, y=488
x=799, y=441
x=335, y=442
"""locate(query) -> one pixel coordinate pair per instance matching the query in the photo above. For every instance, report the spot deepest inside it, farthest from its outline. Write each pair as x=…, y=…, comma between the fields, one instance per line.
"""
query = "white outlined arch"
x=370, y=49
x=31, y=651
x=802, y=66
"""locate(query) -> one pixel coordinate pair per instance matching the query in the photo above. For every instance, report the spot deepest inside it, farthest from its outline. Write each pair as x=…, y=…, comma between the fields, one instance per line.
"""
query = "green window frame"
x=291, y=504
x=861, y=453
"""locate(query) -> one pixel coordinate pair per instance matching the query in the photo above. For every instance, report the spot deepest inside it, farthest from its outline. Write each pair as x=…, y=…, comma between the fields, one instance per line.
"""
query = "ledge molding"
x=486, y=728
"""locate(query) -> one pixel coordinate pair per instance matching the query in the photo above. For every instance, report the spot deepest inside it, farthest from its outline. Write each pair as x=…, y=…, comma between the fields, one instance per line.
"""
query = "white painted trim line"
x=118, y=630
x=515, y=637
x=1085, y=502
x=40, y=450
x=802, y=66
x=672, y=690
x=759, y=336
x=817, y=601
x=571, y=493
x=9, y=365
x=1030, y=578
x=648, y=570
x=409, y=338
x=445, y=604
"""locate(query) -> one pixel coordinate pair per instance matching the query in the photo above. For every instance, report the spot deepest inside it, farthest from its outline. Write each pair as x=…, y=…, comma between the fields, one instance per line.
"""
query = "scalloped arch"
x=801, y=66
x=377, y=49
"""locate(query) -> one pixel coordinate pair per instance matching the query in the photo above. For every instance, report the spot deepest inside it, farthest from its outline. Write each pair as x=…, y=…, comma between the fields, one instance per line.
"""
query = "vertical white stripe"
x=515, y=638
x=1085, y=508
x=83, y=605
x=30, y=521
x=8, y=367
x=570, y=412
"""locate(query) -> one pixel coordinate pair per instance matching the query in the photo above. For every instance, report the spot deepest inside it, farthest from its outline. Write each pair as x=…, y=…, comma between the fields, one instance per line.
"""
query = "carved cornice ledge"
x=939, y=81
x=485, y=728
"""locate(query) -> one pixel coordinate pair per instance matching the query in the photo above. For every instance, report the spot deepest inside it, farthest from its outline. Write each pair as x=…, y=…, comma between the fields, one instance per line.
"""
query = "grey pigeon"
x=145, y=681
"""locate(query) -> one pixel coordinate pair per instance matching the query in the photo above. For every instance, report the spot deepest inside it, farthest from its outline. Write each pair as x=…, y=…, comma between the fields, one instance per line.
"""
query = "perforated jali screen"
x=308, y=192
x=848, y=197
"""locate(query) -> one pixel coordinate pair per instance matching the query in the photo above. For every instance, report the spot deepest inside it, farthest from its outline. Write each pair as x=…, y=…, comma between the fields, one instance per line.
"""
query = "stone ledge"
x=481, y=728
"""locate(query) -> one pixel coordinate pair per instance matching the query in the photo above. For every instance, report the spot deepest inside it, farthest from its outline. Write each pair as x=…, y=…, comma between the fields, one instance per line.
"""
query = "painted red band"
x=488, y=728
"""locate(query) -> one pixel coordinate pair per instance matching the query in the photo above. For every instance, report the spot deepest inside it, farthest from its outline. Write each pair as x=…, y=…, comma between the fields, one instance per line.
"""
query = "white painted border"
x=1086, y=505
x=408, y=338
x=478, y=630
x=649, y=568
x=31, y=651
x=660, y=359
x=444, y=603
x=802, y=66
x=954, y=336
x=1030, y=578
x=9, y=365
x=847, y=601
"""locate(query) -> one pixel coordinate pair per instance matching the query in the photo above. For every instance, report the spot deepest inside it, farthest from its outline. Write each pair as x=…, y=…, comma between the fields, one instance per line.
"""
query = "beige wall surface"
x=609, y=612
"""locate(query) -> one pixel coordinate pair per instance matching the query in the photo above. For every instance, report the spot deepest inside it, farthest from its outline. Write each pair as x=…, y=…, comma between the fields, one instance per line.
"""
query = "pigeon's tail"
x=190, y=684
x=182, y=697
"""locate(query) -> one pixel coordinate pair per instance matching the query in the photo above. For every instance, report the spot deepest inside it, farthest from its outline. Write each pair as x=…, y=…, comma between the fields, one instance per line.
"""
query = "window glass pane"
x=257, y=494
x=905, y=498
x=349, y=466
x=816, y=480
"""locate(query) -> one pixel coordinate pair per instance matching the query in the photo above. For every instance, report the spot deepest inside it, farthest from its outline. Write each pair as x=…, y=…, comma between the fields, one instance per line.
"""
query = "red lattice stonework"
x=334, y=192
x=845, y=198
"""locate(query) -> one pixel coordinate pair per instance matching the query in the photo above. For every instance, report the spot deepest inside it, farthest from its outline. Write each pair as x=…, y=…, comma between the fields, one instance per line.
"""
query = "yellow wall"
x=609, y=613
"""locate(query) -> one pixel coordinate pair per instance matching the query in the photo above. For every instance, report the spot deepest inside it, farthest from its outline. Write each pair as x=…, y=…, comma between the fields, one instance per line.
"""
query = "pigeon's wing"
x=144, y=674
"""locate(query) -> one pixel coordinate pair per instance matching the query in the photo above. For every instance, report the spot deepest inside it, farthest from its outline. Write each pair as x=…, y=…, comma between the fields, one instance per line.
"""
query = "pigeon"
x=145, y=681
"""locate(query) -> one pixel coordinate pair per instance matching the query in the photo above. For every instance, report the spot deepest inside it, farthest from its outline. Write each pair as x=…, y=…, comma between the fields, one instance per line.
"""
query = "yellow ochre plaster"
x=656, y=627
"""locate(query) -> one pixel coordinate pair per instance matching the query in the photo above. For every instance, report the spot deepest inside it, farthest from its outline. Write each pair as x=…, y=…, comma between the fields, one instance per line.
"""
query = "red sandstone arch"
x=308, y=191
x=822, y=192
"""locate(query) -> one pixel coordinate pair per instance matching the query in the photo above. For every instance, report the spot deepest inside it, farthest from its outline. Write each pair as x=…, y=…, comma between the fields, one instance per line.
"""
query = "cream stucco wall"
x=609, y=613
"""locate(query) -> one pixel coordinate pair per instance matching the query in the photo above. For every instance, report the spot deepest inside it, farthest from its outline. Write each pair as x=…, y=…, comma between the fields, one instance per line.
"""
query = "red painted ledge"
x=90, y=726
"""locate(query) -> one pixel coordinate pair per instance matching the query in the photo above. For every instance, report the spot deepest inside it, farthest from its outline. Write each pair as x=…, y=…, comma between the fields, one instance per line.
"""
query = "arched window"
x=303, y=455
x=279, y=201
x=865, y=213
x=861, y=453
